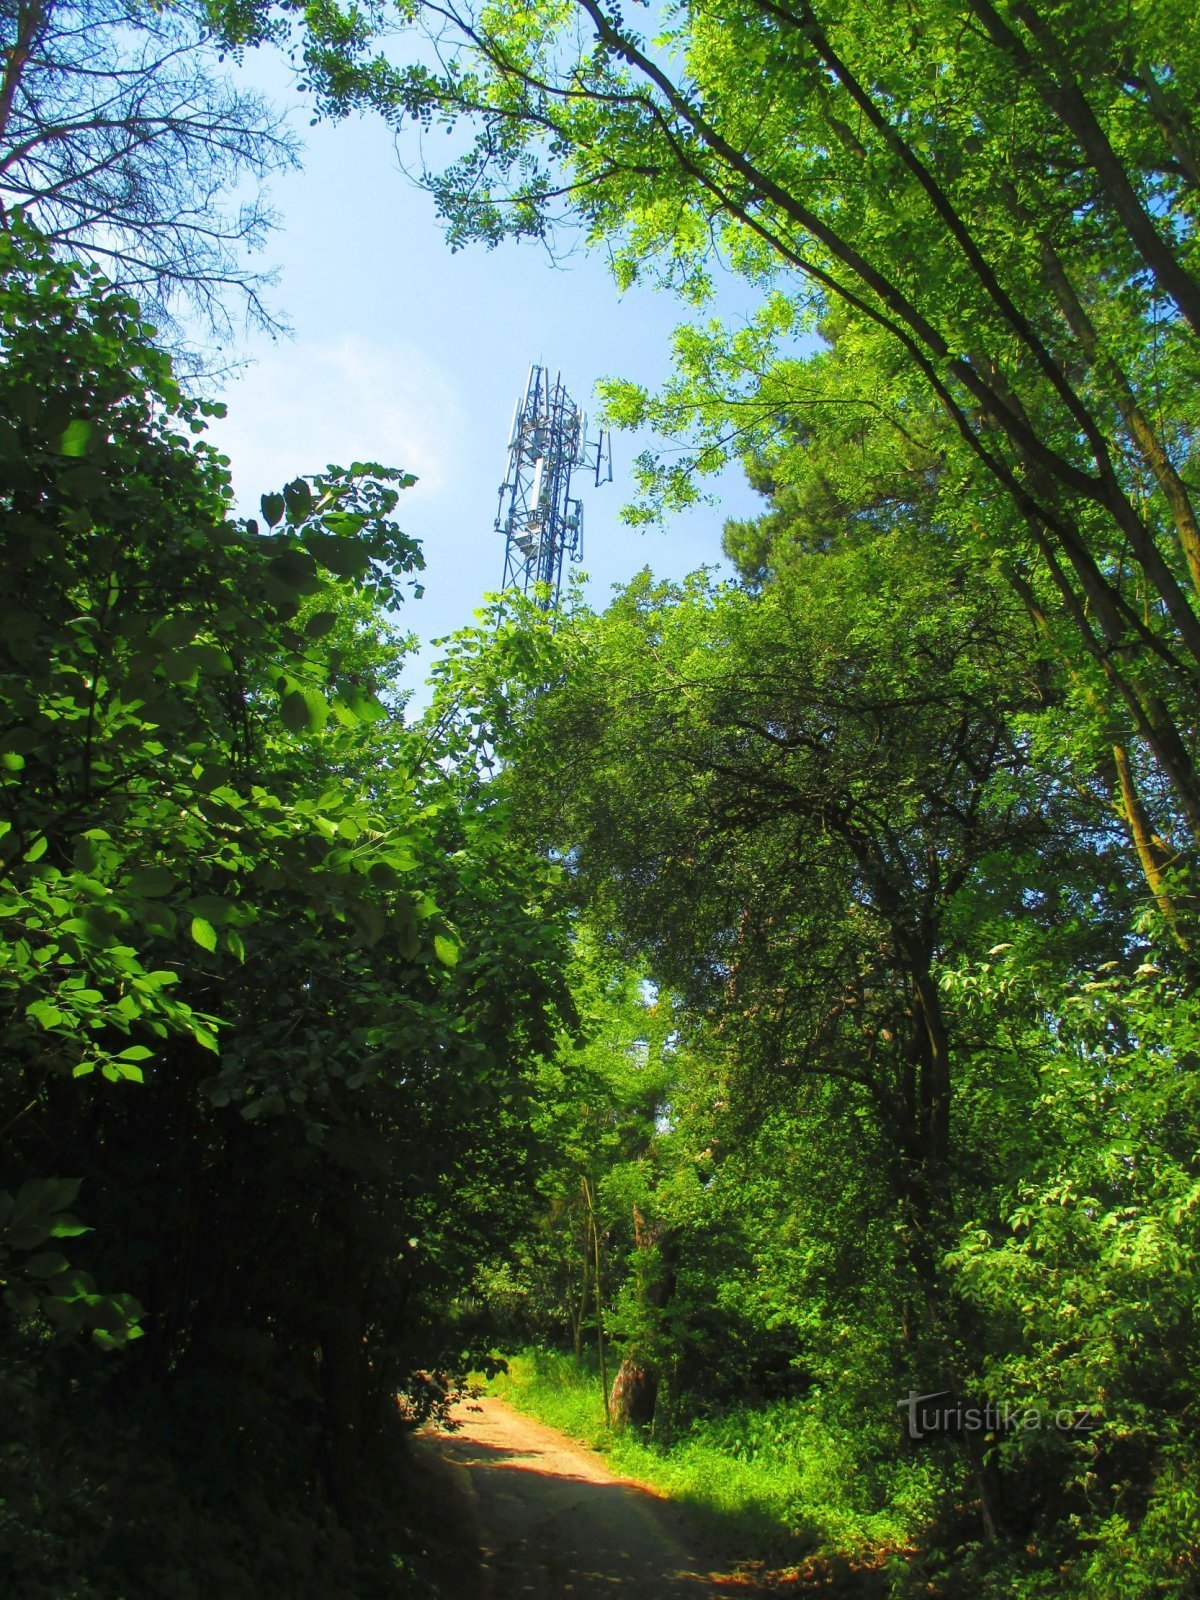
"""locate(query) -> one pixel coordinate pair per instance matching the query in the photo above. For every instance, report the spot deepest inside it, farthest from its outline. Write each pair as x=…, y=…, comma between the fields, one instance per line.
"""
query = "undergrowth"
x=786, y=1480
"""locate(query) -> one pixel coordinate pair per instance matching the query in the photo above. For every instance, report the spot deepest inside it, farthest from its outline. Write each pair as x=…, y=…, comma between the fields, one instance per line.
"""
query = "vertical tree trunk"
x=579, y=1314
x=935, y=1075
x=635, y=1390
x=1151, y=855
x=589, y=1200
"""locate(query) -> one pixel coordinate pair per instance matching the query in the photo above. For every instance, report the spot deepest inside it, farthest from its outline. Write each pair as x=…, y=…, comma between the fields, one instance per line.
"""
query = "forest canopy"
x=765, y=1003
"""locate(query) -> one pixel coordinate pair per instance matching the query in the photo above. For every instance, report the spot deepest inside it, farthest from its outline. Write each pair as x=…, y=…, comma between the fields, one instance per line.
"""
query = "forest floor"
x=544, y=1519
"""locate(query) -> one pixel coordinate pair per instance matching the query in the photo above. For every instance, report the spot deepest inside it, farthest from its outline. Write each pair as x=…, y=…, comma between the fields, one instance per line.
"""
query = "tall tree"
x=125, y=141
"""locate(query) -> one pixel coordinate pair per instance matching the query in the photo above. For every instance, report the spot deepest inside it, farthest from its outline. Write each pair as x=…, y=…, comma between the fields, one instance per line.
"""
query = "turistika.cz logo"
x=941, y=1412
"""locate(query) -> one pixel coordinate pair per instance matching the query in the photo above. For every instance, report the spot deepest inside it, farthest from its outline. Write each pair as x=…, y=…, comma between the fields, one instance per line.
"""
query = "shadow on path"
x=551, y=1521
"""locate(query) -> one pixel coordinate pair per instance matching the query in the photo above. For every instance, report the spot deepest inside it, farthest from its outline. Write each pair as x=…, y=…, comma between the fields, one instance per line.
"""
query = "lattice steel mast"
x=541, y=520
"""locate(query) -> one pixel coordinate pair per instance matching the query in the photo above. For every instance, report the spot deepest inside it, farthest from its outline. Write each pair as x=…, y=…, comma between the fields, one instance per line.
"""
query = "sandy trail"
x=552, y=1521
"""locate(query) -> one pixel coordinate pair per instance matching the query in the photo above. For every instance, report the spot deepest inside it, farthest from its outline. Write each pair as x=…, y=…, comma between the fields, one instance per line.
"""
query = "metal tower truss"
x=541, y=520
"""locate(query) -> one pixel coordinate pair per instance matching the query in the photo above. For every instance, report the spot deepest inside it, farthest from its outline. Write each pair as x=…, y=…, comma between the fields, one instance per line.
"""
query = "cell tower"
x=541, y=521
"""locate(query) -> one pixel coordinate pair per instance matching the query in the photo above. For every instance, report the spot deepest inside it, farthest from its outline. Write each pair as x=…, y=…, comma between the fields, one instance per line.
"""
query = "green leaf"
x=319, y=624
x=69, y=1316
x=304, y=711
x=299, y=499
x=294, y=712
x=204, y=933
x=369, y=920
x=86, y=857
x=41, y=1197
x=73, y=1284
x=68, y=1227
x=37, y=849
x=359, y=705
x=135, y=1052
x=76, y=436
x=345, y=558
x=210, y=658
x=27, y=1236
x=175, y=632
x=47, y=1264
x=152, y=882
x=272, y=509
x=181, y=667
x=446, y=950
x=45, y=1014
x=296, y=570
x=158, y=918
x=21, y=1299
x=212, y=908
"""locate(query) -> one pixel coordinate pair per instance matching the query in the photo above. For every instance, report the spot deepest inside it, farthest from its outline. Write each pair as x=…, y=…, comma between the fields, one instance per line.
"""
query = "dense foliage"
x=274, y=988
x=776, y=993
x=907, y=1105
x=904, y=819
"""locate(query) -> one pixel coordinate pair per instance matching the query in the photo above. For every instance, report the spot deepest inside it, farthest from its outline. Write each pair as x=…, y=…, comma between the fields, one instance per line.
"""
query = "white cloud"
x=306, y=404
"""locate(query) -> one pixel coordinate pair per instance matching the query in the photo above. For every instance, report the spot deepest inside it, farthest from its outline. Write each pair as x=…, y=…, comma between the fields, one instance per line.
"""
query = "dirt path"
x=553, y=1523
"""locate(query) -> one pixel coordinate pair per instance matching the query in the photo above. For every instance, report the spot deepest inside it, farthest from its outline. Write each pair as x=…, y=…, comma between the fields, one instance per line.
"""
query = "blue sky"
x=408, y=354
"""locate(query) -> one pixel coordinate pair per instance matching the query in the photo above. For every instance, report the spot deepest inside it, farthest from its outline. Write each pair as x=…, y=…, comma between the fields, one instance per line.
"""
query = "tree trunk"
x=1151, y=853
x=579, y=1314
x=635, y=1391
x=634, y=1394
x=589, y=1201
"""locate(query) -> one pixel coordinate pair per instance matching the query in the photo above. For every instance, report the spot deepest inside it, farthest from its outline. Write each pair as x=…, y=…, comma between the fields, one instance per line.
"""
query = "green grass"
x=778, y=1481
